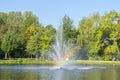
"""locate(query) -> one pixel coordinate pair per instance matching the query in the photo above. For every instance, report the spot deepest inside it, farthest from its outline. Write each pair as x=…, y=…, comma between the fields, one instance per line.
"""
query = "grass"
x=41, y=62
x=90, y=62
x=25, y=61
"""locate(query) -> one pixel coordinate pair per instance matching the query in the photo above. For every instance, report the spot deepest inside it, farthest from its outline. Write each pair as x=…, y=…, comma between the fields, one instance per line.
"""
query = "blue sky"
x=52, y=11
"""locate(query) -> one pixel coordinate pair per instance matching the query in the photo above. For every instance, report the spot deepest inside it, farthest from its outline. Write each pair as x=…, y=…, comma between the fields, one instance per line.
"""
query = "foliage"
x=9, y=42
x=30, y=31
x=39, y=39
x=33, y=45
x=29, y=19
x=69, y=31
x=106, y=45
x=95, y=42
x=21, y=33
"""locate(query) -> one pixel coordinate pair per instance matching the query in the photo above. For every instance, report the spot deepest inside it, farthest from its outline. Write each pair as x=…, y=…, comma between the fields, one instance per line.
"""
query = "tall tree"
x=30, y=19
x=9, y=42
x=47, y=38
x=106, y=41
x=14, y=19
x=3, y=27
x=3, y=18
x=85, y=28
x=69, y=31
x=33, y=45
x=41, y=40
x=118, y=35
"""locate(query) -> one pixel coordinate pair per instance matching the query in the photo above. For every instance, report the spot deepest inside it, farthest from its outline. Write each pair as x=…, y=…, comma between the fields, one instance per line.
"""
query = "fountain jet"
x=61, y=51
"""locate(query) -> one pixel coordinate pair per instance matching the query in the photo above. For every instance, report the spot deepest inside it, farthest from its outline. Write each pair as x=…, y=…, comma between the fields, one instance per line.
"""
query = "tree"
x=69, y=32
x=30, y=31
x=51, y=33
x=85, y=28
x=32, y=39
x=105, y=45
x=40, y=39
x=109, y=35
x=47, y=38
x=94, y=45
x=118, y=35
x=33, y=45
x=3, y=22
x=30, y=19
x=14, y=19
x=3, y=18
x=9, y=43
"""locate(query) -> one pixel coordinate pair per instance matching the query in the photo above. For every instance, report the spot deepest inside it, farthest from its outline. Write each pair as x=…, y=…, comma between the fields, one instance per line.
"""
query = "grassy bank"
x=25, y=61
x=41, y=62
x=90, y=62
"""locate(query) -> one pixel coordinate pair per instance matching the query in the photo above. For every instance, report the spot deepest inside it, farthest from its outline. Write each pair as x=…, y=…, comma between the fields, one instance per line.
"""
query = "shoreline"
x=41, y=62
x=92, y=62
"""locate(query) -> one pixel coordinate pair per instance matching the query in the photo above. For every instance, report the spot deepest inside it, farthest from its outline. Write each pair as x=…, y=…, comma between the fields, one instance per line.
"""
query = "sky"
x=52, y=11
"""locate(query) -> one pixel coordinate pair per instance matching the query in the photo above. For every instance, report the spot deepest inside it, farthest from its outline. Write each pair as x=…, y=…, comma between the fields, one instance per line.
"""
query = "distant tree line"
x=22, y=36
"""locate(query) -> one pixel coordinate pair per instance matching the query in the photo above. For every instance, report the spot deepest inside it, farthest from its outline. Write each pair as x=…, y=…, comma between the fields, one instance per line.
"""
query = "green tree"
x=47, y=38
x=3, y=27
x=85, y=28
x=94, y=45
x=14, y=19
x=15, y=23
x=104, y=38
x=3, y=18
x=29, y=19
x=32, y=39
x=33, y=45
x=109, y=35
x=118, y=35
x=41, y=41
x=69, y=31
x=9, y=42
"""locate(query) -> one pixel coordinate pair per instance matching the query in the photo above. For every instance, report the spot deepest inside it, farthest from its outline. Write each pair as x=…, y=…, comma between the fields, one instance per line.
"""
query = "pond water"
x=69, y=72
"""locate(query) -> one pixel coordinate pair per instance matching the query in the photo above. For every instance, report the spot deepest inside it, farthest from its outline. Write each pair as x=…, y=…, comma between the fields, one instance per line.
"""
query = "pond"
x=68, y=72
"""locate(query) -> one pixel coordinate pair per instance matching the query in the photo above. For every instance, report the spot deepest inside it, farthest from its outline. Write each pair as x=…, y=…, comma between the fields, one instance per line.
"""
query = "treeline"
x=22, y=36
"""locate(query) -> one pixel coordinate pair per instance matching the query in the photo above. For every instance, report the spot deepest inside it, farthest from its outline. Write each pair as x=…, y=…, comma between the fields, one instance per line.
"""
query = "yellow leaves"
x=29, y=44
x=44, y=46
x=110, y=49
x=30, y=31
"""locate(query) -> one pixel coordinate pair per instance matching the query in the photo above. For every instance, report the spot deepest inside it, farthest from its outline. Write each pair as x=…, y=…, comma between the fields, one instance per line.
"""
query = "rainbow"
x=65, y=60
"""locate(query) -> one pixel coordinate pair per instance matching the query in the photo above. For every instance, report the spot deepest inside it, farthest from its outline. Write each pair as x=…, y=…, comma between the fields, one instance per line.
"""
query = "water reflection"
x=22, y=72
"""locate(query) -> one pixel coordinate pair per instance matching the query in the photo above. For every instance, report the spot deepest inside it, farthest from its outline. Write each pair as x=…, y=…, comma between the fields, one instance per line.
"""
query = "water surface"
x=71, y=72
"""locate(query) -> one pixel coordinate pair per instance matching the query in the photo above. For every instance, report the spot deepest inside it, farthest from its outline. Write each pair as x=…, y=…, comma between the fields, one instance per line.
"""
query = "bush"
x=107, y=57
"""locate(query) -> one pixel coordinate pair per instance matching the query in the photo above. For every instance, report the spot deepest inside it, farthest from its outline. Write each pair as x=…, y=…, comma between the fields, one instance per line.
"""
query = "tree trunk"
x=6, y=55
x=118, y=52
x=31, y=56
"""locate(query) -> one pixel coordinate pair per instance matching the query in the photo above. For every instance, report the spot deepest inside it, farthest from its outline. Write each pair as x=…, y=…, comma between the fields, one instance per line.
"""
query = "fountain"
x=61, y=54
x=61, y=51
